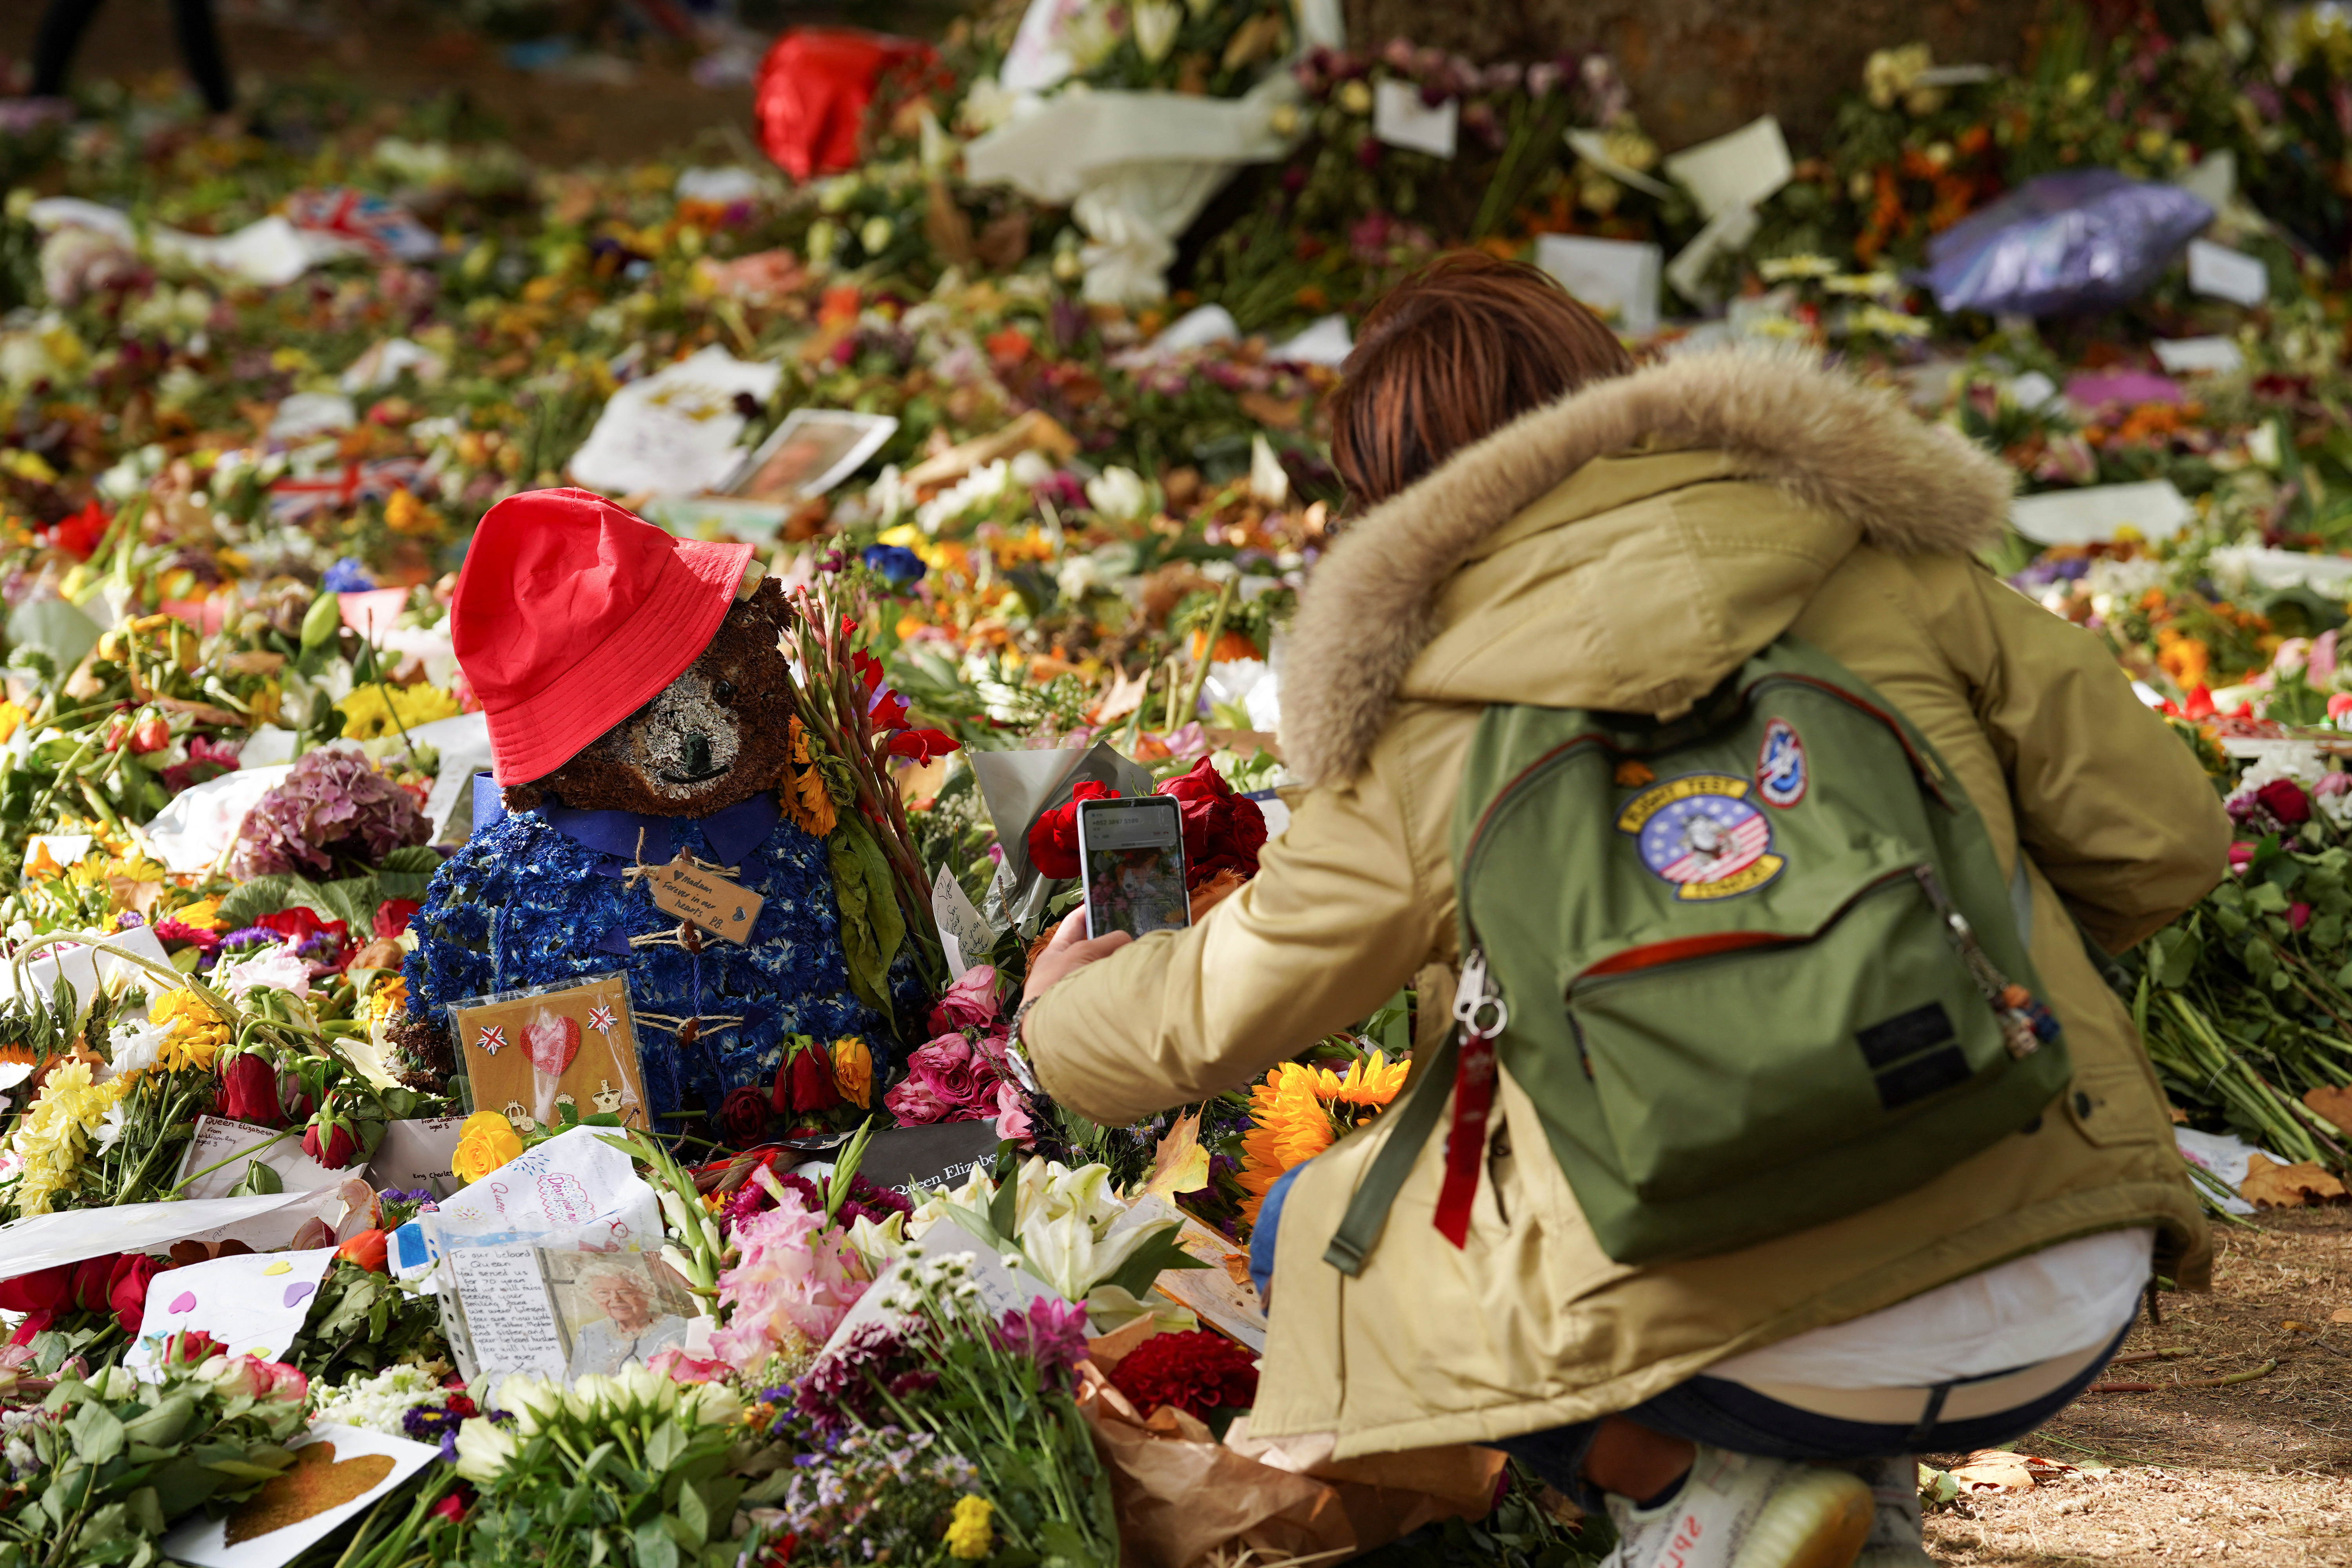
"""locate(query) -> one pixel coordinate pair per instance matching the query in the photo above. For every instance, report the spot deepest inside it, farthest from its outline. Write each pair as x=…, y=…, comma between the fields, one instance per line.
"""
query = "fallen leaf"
x=2296, y=1326
x=1993, y=1471
x=1180, y=1163
x=2269, y=1184
x=2341, y=1315
x=2332, y=1105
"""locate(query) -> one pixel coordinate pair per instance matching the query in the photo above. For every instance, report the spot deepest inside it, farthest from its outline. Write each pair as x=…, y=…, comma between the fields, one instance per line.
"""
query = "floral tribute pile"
x=236, y=483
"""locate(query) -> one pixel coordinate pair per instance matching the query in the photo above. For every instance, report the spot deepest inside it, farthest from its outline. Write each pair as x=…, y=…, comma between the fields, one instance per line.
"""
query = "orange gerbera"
x=1299, y=1111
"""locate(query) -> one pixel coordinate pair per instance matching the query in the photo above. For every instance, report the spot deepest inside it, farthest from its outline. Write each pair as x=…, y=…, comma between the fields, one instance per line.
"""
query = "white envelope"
x=2092, y=515
x=1618, y=278
x=2219, y=272
x=1402, y=119
x=1735, y=171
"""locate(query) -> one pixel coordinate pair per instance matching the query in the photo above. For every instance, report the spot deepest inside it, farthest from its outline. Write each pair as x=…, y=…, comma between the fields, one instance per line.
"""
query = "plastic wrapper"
x=1181, y=1496
x=812, y=89
x=2090, y=239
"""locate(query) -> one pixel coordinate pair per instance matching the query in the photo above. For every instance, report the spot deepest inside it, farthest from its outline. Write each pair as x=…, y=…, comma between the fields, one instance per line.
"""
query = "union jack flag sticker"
x=494, y=1037
x=601, y=1019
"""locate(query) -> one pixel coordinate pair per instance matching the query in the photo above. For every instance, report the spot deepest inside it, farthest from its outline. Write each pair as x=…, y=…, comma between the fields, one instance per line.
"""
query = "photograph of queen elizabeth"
x=619, y=1311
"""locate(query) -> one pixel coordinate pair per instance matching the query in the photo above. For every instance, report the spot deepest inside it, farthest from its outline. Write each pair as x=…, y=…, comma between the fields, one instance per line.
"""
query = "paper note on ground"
x=253, y=1303
x=675, y=432
x=338, y=1472
x=2185, y=356
x=417, y=1155
x=508, y=1315
x=2092, y=515
x=223, y=1150
x=1402, y=119
x=1736, y=171
x=574, y=1190
x=1617, y=277
x=2222, y=273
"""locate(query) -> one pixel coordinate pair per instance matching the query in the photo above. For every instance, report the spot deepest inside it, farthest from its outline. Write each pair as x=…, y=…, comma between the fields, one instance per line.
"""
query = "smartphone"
x=1132, y=858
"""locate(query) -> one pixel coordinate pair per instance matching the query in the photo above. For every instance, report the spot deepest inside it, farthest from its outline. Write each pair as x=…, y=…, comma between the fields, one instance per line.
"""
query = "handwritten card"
x=509, y=1317
x=419, y=1155
x=338, y=1472
x=254, y=1303
x=724, y=909
x=1617, y=277
x=574, y=1190
x=222, y=1150
x=964, y=933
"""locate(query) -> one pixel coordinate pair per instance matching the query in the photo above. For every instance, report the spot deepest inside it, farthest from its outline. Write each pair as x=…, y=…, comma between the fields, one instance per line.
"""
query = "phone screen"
x=1132, y=855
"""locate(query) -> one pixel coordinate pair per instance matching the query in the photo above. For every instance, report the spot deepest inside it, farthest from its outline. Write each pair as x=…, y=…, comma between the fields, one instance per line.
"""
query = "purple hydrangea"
x=332, y=803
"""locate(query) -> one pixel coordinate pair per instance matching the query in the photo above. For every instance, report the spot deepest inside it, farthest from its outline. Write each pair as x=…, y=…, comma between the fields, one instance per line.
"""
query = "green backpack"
x=1757, y=967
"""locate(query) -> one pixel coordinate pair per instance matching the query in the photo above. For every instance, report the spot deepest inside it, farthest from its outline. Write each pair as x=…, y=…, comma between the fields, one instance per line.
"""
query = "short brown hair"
x=1453, y=354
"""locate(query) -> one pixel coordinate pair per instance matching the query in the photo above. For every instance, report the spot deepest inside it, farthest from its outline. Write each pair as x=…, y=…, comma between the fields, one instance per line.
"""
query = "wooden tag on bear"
x=724, y=909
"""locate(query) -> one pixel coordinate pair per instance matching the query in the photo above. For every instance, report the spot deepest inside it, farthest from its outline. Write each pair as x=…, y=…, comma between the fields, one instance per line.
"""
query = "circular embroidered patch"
x=1703, y=834
x=1782, y=773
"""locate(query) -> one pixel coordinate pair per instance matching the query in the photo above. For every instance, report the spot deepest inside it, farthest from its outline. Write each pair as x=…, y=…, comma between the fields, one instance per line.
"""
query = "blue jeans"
x=1727, y=1414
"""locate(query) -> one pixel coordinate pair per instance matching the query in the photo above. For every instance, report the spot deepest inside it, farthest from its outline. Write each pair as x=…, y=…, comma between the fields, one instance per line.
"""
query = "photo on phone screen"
x=1132, y=855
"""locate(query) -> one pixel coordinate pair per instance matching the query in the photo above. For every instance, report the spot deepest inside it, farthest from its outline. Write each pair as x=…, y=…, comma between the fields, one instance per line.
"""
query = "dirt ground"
x=2256, y=1473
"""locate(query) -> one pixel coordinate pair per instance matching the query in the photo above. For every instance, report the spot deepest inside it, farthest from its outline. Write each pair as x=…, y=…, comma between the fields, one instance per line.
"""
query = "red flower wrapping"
x=1222, y=830
x=1054, y=836
x=248, y=1092
x=299, y=924
x=1196, y=1372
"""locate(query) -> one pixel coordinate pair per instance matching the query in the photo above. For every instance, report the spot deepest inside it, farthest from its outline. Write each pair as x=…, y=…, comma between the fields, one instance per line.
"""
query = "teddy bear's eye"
x=724, y=691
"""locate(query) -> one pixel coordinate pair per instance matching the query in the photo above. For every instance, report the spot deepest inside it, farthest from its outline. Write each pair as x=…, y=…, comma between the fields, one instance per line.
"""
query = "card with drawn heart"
x=528, y=1052
x=337, y=1472
x=253, y=1303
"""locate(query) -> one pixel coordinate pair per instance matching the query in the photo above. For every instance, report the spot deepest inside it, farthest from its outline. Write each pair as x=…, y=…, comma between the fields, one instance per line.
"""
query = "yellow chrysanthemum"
x=971, y=1529
x=204, y=914
x=1297, y=1112
x=368, y=715
x=57, y=1130
x=195, y=1035
x=388, y=997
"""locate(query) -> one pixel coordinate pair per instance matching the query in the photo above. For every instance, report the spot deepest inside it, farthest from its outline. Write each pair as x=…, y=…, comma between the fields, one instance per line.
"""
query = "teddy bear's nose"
x=698, y=752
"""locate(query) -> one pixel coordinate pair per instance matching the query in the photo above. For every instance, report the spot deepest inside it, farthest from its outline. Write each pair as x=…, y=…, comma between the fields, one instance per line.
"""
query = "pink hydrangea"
x=332, y=803
x=794, y=1280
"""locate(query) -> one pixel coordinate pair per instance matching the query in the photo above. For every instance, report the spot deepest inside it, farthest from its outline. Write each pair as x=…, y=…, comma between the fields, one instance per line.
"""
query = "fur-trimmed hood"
x=1625, y=548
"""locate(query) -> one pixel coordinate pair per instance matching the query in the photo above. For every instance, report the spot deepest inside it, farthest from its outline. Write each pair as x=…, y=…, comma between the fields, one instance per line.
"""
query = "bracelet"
x=1016, y=1052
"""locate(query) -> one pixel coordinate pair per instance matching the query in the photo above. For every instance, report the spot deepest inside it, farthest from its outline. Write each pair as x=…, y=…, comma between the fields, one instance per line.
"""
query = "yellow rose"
x=486, y=1141
x=853, y=1071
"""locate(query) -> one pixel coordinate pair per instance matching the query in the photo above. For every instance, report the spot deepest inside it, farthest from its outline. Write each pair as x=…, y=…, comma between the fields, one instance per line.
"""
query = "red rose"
x=808, y=1081
x=335, y=1148
x=190, y=1346
x=367, y=1249
x=248, y=1092
x=1054, y=836
x=40, y=1296
x=1223, y=831
x=2286, y=800
x=742, y=1117
x=451, y=1507
x=392, y=916
x=126, y=1289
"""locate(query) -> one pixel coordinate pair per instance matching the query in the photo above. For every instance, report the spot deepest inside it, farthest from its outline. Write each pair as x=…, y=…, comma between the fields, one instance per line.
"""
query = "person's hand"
x=1071, y=949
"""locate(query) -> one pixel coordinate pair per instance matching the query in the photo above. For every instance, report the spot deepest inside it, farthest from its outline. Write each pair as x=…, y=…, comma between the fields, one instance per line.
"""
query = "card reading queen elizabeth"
x=530, y=1052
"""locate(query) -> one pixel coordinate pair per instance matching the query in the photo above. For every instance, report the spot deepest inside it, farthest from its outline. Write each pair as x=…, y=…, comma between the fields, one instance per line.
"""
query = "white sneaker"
x=1735, y=1510
x=1895, y=1539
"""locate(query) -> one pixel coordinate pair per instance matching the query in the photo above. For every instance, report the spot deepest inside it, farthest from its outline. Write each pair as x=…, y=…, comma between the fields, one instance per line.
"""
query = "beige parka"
x=1626, y=549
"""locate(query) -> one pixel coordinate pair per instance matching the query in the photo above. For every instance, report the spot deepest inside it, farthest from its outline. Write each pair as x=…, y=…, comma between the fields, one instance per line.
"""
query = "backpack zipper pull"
x=1481, y=1013
x=2024, y=1021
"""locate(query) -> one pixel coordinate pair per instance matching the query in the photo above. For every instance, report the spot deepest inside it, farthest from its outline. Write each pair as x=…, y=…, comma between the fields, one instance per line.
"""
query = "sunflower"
x=805, y=798
x=1299, y=1110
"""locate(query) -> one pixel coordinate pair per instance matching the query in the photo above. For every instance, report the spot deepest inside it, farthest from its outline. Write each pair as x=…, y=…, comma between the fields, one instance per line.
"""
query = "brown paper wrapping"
x=1181, y=1496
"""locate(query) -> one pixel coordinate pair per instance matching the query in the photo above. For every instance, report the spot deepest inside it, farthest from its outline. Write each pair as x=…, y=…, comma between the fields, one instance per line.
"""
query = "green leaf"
x=1148, y=1261
x=654, y=1547
x=97, y=1434
x=663, y=1448
x=693, y=1513
x=412, y=859
x=871, y=925
x=261, y=896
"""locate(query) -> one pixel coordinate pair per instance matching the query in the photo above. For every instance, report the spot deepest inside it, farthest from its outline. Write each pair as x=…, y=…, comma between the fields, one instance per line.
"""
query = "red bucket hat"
x=571, y=614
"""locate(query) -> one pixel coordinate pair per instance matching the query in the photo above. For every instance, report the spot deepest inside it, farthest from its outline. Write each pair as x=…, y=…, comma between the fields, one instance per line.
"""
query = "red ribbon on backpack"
x=1478, y=1007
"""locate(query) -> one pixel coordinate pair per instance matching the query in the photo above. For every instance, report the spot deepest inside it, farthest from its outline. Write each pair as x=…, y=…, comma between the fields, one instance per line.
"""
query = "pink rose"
x=947, y=1080
x=1012, y=1116
x=679, y=1367
x=968, y=1003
